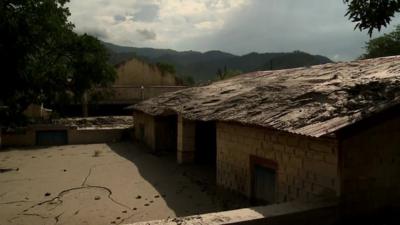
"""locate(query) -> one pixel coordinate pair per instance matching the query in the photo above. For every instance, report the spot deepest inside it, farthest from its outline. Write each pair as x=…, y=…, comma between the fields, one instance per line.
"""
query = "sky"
x=235, y=26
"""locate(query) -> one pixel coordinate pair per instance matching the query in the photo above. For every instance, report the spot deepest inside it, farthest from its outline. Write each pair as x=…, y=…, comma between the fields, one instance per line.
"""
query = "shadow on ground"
x=184, y=188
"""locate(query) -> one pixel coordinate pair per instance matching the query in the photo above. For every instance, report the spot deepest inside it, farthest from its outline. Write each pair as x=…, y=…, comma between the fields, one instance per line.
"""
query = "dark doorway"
x=52, y=137
x=264, y=183
x=206, y=143
x=166, y=133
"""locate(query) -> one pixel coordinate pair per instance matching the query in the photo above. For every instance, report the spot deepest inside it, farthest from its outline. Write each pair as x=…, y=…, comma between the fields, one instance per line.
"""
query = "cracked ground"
x=98, y=184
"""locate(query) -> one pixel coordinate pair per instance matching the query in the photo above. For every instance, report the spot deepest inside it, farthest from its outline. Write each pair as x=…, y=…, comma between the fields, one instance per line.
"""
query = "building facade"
x=325, y=132
x=136, y=81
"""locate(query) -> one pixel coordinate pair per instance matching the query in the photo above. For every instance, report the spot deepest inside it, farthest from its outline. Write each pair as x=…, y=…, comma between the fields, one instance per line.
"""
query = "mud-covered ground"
x=102, y=184
x=96, y=122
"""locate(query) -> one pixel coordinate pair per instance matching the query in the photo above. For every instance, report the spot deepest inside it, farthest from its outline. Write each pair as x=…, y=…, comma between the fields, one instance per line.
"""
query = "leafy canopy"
x=371, y=14
x=42, y=59
x=166, y=68
x=386, y=45
x=89, y=66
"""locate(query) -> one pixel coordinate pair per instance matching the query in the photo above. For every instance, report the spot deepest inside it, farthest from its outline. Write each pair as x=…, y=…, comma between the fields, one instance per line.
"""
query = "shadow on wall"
x=186, y=189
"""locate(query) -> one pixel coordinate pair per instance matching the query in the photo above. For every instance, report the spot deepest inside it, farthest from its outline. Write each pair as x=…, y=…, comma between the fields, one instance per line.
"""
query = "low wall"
x=92, y=136
x=298, y=213
x=27, y=136
x=20, y=137
x=132, y=94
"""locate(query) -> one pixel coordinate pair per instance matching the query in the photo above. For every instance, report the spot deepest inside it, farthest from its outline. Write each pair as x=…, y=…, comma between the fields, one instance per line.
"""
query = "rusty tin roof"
x=313, y=101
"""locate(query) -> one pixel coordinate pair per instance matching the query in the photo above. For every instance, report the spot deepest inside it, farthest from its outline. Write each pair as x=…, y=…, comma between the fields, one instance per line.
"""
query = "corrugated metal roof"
x=313, y=101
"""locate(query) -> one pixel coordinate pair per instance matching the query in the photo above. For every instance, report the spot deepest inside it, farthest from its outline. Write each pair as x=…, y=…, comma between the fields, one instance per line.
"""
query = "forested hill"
x=204, y=66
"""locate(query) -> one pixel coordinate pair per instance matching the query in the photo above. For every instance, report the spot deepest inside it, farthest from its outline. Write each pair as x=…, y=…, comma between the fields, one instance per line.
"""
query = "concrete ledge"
x=27, y=136
x=298, y=213
x=92, y=136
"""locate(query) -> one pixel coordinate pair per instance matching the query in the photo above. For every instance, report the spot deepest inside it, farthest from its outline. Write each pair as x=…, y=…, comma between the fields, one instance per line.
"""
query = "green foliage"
x=295, y=59
x=166, y=68
x=32, y=58
x=386, y=45
x=42, y=59
x=371, y=14
x=89, y=66
x=225, y=73
x=187, y=80
x=202, y=67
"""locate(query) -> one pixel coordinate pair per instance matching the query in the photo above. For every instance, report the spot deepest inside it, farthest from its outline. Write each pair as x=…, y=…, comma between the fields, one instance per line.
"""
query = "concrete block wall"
x=165, y=133
x=307, y=167
x=186, y=140
x=148, y=123
x=159, y=132
x=27, y=136
x=371, y=168
x=23, y=137
x=91, y=136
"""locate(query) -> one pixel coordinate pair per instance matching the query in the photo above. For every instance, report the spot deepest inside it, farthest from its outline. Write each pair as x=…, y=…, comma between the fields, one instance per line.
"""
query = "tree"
x=42, y=58
x=386, y=45
x=90, y=73
x=165, y=67
x=30, y=50
x=187, y=80
x=371, y=14
x=89, y=66
x=225, y=73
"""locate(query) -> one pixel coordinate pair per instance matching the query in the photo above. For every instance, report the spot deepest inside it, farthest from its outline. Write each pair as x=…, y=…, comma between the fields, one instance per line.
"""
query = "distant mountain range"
x=204, y=66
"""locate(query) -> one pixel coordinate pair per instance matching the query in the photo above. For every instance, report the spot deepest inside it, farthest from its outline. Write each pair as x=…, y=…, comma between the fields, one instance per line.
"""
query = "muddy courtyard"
x=100, y=184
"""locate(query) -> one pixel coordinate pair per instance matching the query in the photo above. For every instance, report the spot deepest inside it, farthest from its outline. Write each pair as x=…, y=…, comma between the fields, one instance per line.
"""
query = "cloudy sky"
x=236, y=26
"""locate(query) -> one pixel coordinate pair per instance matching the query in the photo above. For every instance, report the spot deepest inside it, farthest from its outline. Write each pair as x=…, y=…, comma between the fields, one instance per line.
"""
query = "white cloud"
x=155, y=23
x=237, y=26
x=147, y=13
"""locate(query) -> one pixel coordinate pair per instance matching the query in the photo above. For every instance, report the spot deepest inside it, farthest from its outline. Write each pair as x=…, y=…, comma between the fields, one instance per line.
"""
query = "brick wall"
x=371, y=167
x=307, y=167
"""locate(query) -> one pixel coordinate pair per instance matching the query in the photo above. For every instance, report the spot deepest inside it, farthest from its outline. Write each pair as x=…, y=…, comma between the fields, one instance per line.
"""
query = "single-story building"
x=324, y=131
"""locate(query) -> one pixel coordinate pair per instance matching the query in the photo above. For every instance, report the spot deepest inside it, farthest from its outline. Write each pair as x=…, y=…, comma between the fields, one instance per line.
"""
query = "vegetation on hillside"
x=225, y=73
x=166, y=68
x=202, y=67
x=385, y=45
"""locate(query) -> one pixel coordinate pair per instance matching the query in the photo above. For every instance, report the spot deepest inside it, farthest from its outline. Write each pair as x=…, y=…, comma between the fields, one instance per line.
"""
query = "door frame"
x=266, y=163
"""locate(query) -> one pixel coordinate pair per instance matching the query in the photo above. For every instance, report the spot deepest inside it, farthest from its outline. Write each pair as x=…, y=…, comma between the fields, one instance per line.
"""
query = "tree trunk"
x=85, y=112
